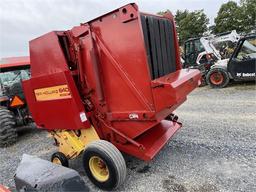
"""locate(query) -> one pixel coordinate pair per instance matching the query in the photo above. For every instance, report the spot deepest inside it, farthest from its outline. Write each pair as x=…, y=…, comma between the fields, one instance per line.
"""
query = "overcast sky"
x=23, y=20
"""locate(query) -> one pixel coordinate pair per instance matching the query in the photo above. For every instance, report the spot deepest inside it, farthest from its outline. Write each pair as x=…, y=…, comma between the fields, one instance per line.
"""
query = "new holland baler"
x=106, y=86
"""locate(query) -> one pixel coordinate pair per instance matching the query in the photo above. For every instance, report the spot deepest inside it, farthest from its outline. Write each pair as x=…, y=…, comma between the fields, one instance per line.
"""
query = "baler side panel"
x=53, y=108
x=124, y=73
x=127, y=49
x=46, y=55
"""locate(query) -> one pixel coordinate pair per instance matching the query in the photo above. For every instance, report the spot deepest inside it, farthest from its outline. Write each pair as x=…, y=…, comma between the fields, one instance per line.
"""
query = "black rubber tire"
x=8, y=131
x=114, y=160
x=203, y=82
x=223, y=72
x=63, y=159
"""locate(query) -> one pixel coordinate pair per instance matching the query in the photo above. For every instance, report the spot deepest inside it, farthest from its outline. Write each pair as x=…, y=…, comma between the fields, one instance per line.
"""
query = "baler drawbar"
x=106, y=86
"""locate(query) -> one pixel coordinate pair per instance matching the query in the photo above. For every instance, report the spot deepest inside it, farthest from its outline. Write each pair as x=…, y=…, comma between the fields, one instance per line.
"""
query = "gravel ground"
x=214, y=151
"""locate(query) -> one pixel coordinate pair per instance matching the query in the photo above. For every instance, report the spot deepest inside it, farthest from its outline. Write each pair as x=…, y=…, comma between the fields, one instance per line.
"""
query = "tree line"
x=231, y=16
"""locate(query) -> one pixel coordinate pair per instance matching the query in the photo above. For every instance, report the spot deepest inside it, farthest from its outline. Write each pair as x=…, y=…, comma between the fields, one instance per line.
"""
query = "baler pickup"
x=123, y=77
x=158, y=136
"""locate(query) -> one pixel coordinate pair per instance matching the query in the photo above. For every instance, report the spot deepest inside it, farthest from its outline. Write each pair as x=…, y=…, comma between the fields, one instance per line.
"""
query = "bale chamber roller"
x=106, y=86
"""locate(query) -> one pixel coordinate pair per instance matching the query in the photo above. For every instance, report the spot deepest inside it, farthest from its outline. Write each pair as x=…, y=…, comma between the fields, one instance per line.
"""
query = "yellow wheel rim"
x=98, y=169
x=56, y=161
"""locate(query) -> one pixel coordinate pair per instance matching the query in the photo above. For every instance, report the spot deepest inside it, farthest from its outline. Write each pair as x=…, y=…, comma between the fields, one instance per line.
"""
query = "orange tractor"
x=109, y=86
x=13, y=109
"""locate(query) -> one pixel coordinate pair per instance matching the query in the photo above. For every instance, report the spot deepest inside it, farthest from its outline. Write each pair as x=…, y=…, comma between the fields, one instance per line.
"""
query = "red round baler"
x=109, y=85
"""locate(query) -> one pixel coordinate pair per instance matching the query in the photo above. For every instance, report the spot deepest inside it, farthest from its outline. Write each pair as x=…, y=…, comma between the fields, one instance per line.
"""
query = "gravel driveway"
x=214, y=151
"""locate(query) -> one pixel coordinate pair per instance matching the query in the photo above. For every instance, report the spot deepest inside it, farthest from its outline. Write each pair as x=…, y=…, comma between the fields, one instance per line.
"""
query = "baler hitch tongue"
x=99, y=93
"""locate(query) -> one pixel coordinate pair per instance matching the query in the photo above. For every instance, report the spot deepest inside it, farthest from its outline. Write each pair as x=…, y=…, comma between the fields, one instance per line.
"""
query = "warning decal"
x=52, y=93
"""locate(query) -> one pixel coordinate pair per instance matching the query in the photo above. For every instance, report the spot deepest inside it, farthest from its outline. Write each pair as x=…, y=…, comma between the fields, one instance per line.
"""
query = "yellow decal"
x=52, y=93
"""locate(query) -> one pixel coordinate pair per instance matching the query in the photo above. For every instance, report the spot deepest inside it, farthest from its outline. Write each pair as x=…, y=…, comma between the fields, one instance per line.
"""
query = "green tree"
x=162, y=12
x=228, y=18
x=190, y=24
x=232, y=16
x=248, y=14
x=180, y=15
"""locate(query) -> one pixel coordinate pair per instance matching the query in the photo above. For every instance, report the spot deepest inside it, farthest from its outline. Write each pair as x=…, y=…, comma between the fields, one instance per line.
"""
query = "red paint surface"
x=4, y=189
x=14, y=62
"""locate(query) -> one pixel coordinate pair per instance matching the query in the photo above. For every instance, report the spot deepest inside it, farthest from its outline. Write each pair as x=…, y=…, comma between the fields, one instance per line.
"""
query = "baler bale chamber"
x=109, y=85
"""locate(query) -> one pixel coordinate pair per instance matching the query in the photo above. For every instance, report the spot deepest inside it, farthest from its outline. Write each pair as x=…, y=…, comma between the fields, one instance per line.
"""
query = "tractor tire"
x=8, y=131
x=217, y=78
x=104, y=165
x=60, y=159
x=203, y=81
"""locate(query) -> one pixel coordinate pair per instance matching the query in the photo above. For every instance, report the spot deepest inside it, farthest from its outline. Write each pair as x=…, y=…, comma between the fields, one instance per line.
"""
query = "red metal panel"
x=125, y=77
x=175, y=86
x=152, y=140
x=55, y=113
x=14, y=62
x=123, y=60
x=46, y=55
